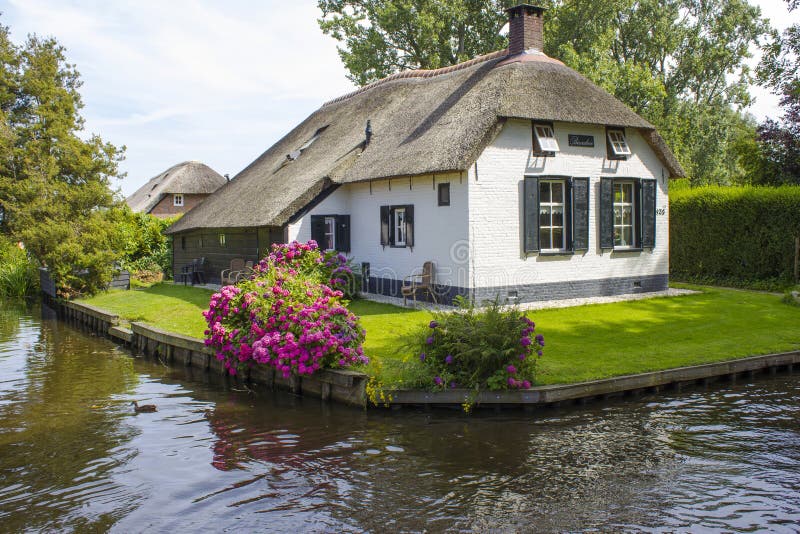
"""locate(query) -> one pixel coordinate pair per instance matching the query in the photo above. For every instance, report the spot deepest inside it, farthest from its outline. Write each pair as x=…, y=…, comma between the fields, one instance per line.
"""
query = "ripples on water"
x=73, y=456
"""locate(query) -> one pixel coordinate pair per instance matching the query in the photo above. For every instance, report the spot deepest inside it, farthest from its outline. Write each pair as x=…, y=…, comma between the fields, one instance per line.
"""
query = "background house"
x=514, y=174
x=176, y=190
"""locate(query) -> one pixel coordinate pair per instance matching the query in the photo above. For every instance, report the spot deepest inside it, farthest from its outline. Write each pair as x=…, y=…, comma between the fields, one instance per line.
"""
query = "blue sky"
x=217, y=82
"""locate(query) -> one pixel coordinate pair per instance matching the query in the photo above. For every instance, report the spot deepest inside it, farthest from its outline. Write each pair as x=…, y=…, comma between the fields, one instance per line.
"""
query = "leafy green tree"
x=679, y=63
x=780, y=139
x=55, y=189
x=385, y=36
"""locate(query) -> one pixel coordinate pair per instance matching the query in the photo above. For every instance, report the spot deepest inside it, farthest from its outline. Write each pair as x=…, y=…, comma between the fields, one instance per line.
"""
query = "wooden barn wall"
x=248, y=243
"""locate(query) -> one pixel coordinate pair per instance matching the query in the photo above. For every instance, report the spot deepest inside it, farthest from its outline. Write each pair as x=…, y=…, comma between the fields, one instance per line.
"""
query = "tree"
x=780, y=140
x=385, y=36
x=679, y=63
x=55, y=186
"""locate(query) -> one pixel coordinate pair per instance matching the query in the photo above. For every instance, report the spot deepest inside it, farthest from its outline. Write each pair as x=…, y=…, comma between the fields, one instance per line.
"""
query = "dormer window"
x=617, y=144
x=177, y=200
x=544, y=140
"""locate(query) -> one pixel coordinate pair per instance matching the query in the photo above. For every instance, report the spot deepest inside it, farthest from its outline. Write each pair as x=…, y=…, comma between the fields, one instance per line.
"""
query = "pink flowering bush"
x=289, y=314
x=491, y=348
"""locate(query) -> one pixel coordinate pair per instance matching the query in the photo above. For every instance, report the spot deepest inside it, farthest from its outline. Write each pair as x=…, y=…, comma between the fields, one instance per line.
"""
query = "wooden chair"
x=231, y=275
x=420, y=282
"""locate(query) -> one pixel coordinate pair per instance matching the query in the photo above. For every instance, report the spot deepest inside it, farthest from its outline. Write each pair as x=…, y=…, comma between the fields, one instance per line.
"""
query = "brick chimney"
x=525, y=24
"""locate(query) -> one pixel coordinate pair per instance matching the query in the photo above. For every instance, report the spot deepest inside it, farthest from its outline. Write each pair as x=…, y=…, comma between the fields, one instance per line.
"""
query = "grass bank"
x=583, y=343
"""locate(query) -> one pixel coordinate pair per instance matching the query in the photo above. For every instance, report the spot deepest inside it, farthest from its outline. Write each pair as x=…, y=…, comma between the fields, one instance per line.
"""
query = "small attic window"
x=293, y=155
x=617, y=144
x=177, y=200
x=544, y=139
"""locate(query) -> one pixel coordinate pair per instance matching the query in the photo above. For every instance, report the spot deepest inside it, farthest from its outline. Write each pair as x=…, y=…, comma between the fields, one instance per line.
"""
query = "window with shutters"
x=331, y=232
x=627, y=213
x=556, y=214
x=552, y=236
x=624, y=215
x=544, y=139
x=616, y=144
x=397, y=226
x=177, y=200
x=329, y=241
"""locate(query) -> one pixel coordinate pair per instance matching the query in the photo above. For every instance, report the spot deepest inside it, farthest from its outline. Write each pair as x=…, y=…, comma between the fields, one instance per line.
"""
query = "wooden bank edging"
x=602, y=389
x=348, y=387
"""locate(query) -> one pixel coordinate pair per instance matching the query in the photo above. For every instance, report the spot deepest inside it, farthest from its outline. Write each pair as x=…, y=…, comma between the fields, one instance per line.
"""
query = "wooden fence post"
x=797, y=260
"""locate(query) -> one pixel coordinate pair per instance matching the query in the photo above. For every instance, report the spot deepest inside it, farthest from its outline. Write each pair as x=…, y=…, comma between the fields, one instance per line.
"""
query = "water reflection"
x=217, y=456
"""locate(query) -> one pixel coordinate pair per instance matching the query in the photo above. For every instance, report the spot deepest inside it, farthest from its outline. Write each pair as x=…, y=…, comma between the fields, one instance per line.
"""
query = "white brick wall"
x=477, y=240
x=440, y=232
x=495, y=208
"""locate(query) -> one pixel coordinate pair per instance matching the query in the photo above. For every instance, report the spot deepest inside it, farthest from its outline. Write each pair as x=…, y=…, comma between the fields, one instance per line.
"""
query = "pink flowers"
x=289, y=315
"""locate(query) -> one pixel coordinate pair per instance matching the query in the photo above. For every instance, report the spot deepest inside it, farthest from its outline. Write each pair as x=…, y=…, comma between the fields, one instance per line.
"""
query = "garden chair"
x=231, y=275
x=194, y=272
x=419, y=282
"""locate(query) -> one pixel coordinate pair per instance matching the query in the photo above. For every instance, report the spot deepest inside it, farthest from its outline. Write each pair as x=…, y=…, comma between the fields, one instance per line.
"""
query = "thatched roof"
x=189, y=177
x=423, y=122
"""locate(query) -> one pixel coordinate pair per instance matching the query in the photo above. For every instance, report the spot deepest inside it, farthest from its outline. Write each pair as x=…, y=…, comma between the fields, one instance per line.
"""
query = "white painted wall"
x=440, y=232
x=495, y=208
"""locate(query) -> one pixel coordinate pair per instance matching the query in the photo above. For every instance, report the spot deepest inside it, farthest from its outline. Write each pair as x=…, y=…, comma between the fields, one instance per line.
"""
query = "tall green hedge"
x=734, y=235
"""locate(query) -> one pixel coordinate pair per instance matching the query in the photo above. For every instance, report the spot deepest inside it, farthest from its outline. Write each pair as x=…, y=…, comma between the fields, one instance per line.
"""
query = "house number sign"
x=581, y=140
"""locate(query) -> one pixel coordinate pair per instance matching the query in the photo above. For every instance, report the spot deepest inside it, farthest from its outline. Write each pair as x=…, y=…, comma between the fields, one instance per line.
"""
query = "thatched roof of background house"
x=188, y=178
x=423, y=122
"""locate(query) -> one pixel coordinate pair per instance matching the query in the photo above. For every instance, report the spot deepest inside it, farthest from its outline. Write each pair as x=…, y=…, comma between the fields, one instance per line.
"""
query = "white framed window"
x=399, y=227
x=624, y=209
x=552, y=234
x=617, y=144
x=545, y=138
x=177, y=200
x=222, y=240
x=329, y=242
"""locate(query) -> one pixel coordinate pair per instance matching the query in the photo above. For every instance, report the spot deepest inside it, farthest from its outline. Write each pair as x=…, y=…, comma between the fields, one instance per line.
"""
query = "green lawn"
x=175, y=308
x=582, y=343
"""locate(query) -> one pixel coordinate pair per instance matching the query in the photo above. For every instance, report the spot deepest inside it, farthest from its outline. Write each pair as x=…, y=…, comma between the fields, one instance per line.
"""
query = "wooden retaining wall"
x=347, y=387
x=675, y=379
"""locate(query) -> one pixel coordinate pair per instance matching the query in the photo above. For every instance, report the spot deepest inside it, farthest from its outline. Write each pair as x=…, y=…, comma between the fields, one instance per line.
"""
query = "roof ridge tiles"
x=421, y=73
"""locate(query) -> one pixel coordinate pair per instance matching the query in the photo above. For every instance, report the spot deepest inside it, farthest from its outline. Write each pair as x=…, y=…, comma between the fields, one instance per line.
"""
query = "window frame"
x=563, y=183
x=398, y=228
x=538, y=149
x=633, y=206
x=441, y=189
x=177, y=200
x=222, y=240
x=611, y=144
x=330, y=230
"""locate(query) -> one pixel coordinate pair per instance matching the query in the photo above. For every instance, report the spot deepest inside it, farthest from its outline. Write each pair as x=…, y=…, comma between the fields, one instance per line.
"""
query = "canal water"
x=215, y=456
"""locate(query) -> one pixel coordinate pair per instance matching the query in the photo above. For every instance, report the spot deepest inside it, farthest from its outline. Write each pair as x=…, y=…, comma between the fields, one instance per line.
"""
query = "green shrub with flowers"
x=290, y=314
x=491, y=348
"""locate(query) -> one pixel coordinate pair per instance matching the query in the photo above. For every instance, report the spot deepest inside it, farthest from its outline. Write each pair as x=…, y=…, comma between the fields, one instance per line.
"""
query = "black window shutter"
x=409, y=225
x=343, y=233
x=648, y=213
x=530, y=203
x=606, y=213
x=385, y=226
x=318, y=229
x=580, y=214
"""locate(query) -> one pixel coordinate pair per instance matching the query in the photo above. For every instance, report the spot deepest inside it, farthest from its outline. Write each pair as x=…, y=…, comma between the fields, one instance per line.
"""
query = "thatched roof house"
x=426, y=125
x=423, y=122
x=176, y=190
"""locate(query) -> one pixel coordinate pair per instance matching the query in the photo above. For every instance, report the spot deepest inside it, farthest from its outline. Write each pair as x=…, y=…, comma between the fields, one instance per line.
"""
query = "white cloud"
x=178, y=80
